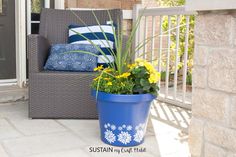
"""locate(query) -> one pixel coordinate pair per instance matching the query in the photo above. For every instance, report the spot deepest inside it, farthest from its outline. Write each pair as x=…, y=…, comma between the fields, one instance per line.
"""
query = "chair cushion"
x=61, y=59
x=95, y=34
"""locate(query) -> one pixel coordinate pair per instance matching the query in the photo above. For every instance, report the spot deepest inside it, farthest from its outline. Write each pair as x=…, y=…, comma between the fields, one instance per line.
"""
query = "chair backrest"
x=54, y=23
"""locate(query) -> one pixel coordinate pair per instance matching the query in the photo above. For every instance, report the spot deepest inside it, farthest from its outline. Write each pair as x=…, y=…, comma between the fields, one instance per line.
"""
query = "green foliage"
x=189, y=79
x=142, y=85
x=171, y=3
x=163, y=76
x=181, y=38
x=123, y=77
x=36, y=6
x=123, y=54
x=139, y=79
x=107, y=82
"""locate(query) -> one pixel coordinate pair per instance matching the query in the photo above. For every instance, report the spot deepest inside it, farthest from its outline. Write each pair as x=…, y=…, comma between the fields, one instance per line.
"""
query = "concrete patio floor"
x=22, y=137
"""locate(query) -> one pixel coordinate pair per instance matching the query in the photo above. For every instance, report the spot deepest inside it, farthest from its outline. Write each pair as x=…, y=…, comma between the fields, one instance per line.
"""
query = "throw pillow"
x=95, y=34
x=61, y=59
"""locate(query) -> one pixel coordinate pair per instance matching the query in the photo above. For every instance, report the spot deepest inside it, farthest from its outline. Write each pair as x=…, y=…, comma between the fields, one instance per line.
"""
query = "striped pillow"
x=95, y=34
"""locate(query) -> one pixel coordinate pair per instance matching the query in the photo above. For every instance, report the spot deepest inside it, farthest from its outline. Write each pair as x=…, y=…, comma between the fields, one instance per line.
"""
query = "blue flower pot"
x=123, y=118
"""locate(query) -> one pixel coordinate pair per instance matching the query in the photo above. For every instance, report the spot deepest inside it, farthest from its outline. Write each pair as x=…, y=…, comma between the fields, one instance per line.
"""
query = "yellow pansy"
x=109, y=83
x=99, y=68
x=154, y=77
x=108, y=70
x=149, y=67
x=131, y=66
x=124, y=75
x=107, y=79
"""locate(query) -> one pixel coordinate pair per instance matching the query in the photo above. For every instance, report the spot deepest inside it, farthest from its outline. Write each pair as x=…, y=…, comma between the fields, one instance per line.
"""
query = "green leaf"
x=144, y=82
x=146, y=88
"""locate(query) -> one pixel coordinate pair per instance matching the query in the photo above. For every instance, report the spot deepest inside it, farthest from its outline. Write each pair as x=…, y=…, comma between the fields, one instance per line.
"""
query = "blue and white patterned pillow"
x=61, y=59
x=95, y=34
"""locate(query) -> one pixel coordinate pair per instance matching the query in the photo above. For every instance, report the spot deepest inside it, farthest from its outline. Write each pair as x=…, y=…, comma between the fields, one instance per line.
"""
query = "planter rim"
x=123, y=97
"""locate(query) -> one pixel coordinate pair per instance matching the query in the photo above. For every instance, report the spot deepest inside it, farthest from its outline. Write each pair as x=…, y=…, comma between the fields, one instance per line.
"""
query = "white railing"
x=160, y=49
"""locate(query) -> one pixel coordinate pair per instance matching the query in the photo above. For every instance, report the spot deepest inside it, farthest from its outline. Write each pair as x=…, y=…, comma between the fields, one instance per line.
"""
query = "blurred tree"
x=36, y=6
x=172, y=3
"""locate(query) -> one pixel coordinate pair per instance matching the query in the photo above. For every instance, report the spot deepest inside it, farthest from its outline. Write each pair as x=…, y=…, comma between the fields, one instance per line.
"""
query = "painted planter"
x=123, y=118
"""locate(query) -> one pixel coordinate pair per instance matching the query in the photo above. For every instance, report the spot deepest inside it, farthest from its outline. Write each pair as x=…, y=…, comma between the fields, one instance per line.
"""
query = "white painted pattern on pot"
x=110, y=136
x=124, y=135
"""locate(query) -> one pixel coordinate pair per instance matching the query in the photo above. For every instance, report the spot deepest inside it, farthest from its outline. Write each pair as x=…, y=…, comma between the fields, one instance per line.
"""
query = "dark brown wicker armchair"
x=60, y=94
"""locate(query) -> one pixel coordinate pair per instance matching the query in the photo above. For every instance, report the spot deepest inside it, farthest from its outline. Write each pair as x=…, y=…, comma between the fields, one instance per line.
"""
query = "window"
x=34, y=15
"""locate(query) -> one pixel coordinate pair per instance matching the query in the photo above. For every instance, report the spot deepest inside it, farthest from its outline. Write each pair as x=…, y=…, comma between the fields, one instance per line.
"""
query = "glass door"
x=7, y=40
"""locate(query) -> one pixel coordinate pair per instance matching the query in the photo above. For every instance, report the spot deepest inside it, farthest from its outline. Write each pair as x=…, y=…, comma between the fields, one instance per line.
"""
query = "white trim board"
x=8, y=82
x=59, y=4
x=127, y=14
x=46, y=3
x=28, y=18
x=21, y=7
x=20, y=27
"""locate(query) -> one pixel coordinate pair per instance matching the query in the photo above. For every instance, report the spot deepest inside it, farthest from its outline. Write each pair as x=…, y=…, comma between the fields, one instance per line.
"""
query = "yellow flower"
x=107, y=79
x=109, y=83
x=131, y=66
x=124, y=75
x=96, y=78
x=150, y=68
x=108, y=70
x=154, y=77
x=119, y=76
x=99, y=68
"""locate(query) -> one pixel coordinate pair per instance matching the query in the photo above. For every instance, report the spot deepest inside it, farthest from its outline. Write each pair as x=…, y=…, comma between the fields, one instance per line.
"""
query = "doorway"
x=7, y=40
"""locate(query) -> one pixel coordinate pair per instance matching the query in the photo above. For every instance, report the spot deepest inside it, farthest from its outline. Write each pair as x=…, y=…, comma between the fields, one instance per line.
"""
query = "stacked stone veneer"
x=124, y=4
x=213, y=127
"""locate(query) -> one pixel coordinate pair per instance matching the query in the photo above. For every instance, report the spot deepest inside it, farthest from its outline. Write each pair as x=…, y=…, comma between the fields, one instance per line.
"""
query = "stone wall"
x=123, y=4
x=150, y=3
x=213, y=126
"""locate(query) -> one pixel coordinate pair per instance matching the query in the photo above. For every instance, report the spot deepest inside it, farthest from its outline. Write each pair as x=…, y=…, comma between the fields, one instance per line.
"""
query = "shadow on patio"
x=170, y=127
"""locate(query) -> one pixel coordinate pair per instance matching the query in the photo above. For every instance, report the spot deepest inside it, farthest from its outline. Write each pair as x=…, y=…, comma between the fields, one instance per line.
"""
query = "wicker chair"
x=61, y=94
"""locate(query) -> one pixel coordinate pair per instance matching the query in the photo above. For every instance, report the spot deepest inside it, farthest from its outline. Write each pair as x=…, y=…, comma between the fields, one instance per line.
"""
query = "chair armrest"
x=38, y=48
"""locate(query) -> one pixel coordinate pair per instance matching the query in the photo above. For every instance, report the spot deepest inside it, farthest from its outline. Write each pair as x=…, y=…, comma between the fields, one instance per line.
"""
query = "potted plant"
x=124, y=91
x=123, y=102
